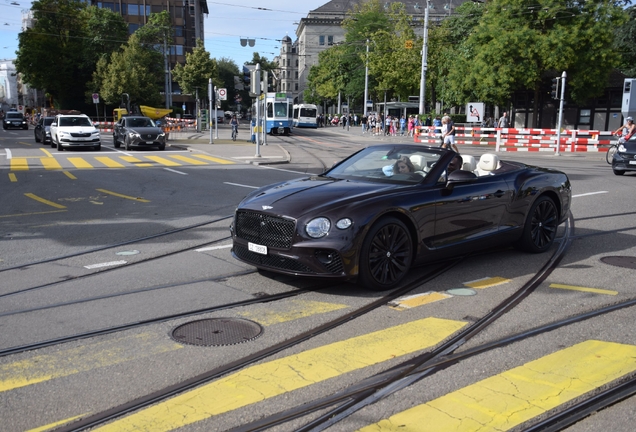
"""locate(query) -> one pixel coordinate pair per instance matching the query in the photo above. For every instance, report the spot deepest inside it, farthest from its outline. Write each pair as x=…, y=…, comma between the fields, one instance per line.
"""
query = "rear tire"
x=386, y=255
x=541, y=226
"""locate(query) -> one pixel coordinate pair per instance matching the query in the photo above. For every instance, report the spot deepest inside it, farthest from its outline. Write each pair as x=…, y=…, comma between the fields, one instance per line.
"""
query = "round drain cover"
x=620, y=261
x=217, y=332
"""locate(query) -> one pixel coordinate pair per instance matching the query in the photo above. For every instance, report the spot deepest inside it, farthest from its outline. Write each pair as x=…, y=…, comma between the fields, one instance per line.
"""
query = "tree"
x=197, y=71
x=626, y=44
x=519, y=44
x=227, y=69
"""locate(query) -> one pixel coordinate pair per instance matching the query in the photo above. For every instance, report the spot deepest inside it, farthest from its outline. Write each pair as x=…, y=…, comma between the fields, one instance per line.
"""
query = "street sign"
x=408, y=44
x=95, y=98
x=222, y=94
x=475, y=112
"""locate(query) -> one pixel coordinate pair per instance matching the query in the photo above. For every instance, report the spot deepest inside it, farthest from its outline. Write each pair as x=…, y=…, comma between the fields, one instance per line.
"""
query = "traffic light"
x=555, y=88
x=246, y=76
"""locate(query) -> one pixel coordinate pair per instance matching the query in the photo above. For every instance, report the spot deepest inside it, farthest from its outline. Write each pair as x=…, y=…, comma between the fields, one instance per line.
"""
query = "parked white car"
x=74, y=130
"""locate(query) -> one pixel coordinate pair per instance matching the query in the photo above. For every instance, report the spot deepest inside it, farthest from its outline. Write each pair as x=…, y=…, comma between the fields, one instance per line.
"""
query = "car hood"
x=309, y=195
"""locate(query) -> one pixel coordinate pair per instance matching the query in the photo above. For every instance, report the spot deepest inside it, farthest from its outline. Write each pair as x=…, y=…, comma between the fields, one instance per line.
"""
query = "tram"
x=278, y=109
x=305, y=115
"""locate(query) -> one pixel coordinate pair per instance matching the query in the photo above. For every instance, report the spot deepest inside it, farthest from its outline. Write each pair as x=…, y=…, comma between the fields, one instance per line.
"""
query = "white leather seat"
x=469, y=163
x=418, y=161
x=488, y=163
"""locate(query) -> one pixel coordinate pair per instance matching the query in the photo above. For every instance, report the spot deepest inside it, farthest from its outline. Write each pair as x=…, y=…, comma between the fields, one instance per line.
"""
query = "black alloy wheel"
x=115, y=142
x=386, y=255
x=541, y=226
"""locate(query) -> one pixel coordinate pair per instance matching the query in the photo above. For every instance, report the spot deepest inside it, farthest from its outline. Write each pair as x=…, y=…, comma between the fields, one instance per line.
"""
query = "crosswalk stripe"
x=134, y=160
x=163, y=161
x=50, y=163
x=273, y=378
x=506, y=400
x=213, y=159
x=188, y=160
x=79, y=163
x=110, y=163
x=19, y=164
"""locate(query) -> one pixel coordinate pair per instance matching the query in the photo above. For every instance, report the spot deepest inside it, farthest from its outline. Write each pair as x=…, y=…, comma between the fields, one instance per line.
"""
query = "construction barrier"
x=513, y=139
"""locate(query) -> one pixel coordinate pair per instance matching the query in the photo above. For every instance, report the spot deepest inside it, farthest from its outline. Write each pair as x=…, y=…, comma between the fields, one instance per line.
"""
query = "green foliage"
x=196, y=72
x=157, y=31
x=625, y=44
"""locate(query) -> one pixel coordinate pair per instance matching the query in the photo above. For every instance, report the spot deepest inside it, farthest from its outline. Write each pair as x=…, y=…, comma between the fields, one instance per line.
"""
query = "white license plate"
x=632, y=162
x=259, y=249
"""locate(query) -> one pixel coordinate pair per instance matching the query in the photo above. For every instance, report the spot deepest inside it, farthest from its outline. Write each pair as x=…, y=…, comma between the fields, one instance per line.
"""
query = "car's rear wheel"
x=386, y=255
x=616, y=172
x=540, y=227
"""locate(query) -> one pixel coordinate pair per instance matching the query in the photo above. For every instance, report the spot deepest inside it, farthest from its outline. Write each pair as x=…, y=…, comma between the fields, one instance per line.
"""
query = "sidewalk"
x=241, y=150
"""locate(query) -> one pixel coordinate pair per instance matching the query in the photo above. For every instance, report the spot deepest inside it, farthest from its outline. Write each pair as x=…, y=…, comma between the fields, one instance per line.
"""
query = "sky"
x=224, y=27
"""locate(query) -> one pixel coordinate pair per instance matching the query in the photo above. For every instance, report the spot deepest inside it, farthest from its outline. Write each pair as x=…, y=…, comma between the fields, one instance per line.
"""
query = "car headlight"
x=317, y=228
x=621, y=148
x=134, y=135
x=344, y=223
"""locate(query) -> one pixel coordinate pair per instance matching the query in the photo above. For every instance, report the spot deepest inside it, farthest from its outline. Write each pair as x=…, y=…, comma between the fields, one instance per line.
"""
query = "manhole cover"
x=620, y=261
x=462, y=292
x=217, y=332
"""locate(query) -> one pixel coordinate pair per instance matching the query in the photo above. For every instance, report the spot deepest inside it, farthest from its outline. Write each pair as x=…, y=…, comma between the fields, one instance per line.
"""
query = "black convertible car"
x=387, y=207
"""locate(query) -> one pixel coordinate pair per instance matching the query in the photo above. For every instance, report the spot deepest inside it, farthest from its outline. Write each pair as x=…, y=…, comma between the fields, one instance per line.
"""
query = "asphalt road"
x=144, y=234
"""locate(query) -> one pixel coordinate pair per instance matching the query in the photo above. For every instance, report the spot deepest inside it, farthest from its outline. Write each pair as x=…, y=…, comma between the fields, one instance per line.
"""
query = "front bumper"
x=624, y=162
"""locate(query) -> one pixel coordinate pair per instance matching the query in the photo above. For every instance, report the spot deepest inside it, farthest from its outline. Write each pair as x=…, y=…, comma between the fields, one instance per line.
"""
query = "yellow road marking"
x=69, y=175
x=134, y=160
x=163, y=161
x=277, y=377
x=293, y=310
x=50, y=163
x=486, y=282
x=13, y=178
x=79, y=163
x=506, y=400
x=417, y=300
x=88, y=357
x=24, y=143
x=213, y=159
x=109, y=162
x=189, y=160
x=122, y=196
x=19, y=164
x=32, y=214
x=56, y=424
x=584, y=289
x=46, y=152
x=44, y=201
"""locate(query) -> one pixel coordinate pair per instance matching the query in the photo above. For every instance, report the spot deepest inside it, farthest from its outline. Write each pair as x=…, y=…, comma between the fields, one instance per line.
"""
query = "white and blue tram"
x=277, y=109
x=306, y=115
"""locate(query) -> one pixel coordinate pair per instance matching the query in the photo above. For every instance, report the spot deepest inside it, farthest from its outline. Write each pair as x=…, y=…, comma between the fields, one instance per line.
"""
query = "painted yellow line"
x=134, y=160
x=69, y=175
x=123, y=196
x=418, y=300
x=293, y=310
x=213, y=159
x=32, y=214
x=189, y=160
x=504, y=401
x=88, y=357
x=44, y=201
x=50, y=163
x=56, y=424
x=19, y=164
x=79, y=163
x=163, y=161
x=486, y=282
x=13, y=178
x=277, y=377
x=46, y=152
x=584, y=289
x=109, y=162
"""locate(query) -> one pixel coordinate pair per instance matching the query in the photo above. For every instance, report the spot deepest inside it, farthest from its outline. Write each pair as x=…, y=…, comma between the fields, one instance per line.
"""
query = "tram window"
x=270, y=110
x=281, y=109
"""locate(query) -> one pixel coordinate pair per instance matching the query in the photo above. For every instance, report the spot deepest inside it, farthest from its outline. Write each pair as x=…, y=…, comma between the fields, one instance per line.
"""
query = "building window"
x=584, y=116
x=132, y=28
x=296, y=86
x=321, y=40
x=296, y=74
x=124, y=9
x=329, y=40
x=178, y=31
x=296, y=62
x=133, y=9
x=148, y=10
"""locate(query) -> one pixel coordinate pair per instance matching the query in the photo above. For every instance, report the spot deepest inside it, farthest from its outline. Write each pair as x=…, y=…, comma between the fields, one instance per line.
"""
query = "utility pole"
x=563, y=75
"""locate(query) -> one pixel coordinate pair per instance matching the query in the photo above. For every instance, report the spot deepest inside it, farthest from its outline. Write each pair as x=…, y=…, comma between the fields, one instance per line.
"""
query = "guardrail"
x=513, y=139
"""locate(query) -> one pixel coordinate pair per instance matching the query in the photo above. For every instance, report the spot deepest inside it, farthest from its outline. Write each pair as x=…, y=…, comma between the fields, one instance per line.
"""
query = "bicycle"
x=609, y=156
x=234, y=132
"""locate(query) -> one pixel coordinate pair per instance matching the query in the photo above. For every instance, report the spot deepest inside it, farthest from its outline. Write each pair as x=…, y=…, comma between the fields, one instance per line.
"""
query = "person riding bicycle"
x=627, y=130
x=234, y=123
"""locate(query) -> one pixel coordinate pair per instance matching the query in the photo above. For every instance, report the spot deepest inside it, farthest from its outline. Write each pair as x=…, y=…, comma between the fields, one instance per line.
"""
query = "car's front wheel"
x=616, y=172
x=115, y=142
x=386, y=255
x=127, y=144
x=541, y=226
x=59, y=145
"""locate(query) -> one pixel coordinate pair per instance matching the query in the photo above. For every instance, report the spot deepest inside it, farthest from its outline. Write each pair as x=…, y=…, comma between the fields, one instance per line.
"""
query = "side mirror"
x=53, y=124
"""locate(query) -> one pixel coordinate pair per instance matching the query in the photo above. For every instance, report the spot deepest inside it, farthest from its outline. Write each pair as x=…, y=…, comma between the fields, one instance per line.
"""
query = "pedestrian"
x=438, y=125
x=402, y=125
x=429, y=121
x=504, y=121
x=448, y=134
x=411, y=125
x=364, y=120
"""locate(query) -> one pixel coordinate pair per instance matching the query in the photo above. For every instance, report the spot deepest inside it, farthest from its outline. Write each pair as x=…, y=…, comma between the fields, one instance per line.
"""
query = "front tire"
x=116, y=143
x=127, y=144
x=619, y=173
x=386, y=255
x=541, y=225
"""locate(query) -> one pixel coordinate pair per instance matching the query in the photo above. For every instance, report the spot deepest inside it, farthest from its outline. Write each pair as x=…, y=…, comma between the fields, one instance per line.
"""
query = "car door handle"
x=499, y=193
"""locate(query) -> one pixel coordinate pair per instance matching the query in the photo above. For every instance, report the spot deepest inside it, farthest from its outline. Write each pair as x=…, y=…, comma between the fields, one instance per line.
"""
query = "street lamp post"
x=424, y=62
x=366, y=81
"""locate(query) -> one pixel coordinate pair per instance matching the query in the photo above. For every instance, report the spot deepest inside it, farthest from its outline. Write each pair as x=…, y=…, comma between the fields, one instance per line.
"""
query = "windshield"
x=391, y=164
x=308, y=112
x=14, y=116
x=140, y=122
x=74, y=121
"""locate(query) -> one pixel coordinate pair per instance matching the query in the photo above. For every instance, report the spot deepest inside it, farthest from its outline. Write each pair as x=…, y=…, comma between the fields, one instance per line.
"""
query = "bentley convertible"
x=385, y=208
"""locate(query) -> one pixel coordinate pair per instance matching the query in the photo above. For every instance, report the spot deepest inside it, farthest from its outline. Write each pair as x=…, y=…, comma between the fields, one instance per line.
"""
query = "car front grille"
x=272, y=261
x=80, y=135
x=266, y=230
